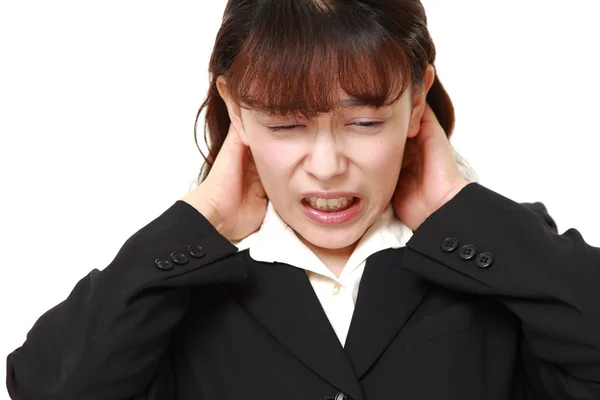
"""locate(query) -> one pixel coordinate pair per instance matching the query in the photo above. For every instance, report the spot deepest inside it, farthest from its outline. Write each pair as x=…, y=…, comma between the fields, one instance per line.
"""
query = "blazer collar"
x=388, y=296
x=283, y=301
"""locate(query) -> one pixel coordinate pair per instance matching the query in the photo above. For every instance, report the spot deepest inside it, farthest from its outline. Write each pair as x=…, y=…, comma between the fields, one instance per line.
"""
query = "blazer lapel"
x=388, y=295
x=280, y=297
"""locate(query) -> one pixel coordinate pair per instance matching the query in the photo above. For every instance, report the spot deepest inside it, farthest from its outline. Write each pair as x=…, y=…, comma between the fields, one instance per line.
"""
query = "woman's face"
x=353, y=154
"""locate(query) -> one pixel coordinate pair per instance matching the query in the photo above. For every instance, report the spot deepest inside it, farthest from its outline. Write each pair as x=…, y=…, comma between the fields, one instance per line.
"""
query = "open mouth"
x=330, y=205
x=331, y=211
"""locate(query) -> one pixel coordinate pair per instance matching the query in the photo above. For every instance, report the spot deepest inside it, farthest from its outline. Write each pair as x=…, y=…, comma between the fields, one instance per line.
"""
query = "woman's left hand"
x=429, y=177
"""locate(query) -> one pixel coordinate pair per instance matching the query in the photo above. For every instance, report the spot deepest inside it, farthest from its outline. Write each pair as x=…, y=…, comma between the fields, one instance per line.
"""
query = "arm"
x=550, y=281
x=106, y=340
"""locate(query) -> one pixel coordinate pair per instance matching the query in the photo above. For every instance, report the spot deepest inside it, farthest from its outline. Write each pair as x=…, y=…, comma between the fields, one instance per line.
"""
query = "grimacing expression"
x=355, y=148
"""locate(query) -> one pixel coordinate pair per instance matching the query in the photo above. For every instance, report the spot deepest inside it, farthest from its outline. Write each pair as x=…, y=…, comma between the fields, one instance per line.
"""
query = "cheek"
x=274, y=160
x=379, y=155
x=380, y=162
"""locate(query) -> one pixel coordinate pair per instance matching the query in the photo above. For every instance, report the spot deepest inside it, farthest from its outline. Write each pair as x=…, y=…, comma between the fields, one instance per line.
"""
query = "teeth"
x=329, y=204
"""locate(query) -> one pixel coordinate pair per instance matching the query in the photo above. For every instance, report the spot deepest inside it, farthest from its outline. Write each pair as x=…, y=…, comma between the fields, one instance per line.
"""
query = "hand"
x=231, y=197
x=429, y=177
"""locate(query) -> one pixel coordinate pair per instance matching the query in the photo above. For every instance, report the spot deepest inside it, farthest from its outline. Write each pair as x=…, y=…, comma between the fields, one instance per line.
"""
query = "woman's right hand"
x=231, y=197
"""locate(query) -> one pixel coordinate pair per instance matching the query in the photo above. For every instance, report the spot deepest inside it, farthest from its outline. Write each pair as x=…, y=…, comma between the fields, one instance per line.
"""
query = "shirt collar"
x=276, y=241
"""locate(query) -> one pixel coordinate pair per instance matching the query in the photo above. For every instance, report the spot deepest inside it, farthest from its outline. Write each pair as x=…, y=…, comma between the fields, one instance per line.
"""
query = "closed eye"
x=282, y=128
x=361, y=124
x=368, y=124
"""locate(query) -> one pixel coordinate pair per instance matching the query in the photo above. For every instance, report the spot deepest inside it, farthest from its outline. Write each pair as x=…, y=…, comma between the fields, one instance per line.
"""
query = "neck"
x=334, y=259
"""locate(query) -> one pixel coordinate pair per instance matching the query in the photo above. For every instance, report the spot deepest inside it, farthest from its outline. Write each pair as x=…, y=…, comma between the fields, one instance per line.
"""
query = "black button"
x=450, y=244
x=196, y=251
x=468, y=251
x=179, y=258
x=163, y=264
x=484, y=260
x=341, y=396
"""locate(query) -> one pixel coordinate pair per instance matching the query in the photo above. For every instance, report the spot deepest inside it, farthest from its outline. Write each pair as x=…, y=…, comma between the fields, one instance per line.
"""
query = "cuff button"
x=468, y=251
x=450, y=244
x=485, y=260
x=163, y=264
x=196, y=251
x=179, y=258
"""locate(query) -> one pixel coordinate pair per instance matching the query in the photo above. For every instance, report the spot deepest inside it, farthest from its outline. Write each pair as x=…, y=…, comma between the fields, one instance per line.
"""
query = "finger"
x=431, y=129
x=233, y=141
x=429, y=116
x=232, y=154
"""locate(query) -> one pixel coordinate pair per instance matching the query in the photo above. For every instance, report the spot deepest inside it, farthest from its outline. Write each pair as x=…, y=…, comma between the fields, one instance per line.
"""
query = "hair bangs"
x=300, y=55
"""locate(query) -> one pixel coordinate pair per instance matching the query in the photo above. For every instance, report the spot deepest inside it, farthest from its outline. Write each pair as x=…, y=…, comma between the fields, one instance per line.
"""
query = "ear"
x=419, y=100
x=233, y=108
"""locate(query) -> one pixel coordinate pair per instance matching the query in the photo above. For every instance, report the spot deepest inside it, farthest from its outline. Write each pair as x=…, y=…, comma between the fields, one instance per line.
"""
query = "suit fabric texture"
x=486, y=301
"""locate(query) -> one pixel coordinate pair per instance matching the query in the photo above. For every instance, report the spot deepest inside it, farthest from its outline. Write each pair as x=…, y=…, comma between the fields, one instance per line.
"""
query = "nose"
x=325, y=160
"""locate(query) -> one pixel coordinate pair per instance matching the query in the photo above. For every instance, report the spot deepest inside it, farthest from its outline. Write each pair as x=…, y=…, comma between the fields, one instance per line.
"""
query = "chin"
x=331, y=239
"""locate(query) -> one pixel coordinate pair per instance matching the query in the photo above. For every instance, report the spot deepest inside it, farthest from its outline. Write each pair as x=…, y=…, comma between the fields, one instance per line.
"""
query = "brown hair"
x=289, y=57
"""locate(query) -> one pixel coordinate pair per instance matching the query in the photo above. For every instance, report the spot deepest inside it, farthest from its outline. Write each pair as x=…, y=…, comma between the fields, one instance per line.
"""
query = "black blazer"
x=486, y=301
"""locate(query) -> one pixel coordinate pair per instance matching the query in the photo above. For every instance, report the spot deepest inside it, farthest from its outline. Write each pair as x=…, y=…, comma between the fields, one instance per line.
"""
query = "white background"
x=98, y=99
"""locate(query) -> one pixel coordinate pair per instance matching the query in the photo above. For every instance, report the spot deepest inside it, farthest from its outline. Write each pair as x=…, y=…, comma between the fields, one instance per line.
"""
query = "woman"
x=330, y=168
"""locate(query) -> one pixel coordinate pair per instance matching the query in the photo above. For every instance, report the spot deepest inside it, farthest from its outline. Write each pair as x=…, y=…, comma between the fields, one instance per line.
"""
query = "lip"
x=328, y=195
x=332, y=217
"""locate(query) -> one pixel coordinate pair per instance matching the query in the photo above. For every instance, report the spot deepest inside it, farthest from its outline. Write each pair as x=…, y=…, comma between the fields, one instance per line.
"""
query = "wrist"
x=453, y=192
x=207, y=211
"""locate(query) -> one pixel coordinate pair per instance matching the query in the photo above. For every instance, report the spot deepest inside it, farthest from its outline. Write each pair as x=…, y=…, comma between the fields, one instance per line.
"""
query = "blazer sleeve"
x=109, y=337
x=551, y=282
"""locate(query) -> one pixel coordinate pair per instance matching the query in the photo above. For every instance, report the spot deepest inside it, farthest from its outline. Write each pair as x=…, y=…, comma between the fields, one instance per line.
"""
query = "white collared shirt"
x=275, y=241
